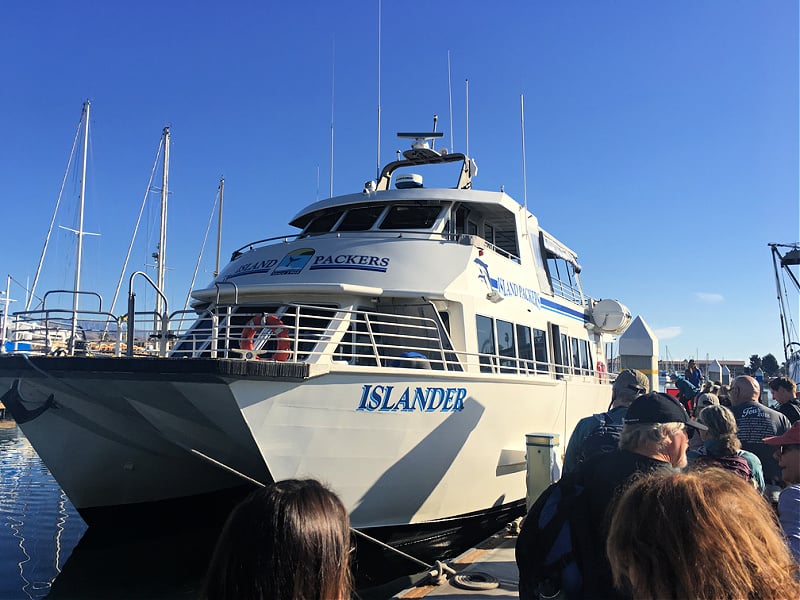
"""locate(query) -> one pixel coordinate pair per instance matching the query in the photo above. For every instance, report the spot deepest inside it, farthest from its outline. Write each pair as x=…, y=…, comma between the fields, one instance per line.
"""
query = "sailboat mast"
x=219, y=222
x=79, y=253
x=81, y=202
x=162, y=241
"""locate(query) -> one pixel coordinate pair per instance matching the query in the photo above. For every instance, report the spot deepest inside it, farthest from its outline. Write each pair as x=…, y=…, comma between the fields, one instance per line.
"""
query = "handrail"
x=162, y=349
x=74, y=293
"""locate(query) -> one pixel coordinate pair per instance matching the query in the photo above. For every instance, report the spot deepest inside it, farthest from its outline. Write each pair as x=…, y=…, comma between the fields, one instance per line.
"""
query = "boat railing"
x=50, y=331
x=415, y=234
x=299, y=333
x=317, y=334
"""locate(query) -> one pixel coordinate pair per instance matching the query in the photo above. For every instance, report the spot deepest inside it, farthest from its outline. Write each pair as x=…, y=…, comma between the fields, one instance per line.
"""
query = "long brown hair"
x=286, y=541
x=702, y=534
x=722, y=427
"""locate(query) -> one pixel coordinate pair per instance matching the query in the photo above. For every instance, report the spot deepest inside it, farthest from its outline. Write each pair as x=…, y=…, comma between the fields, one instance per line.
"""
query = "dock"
x=489, y=570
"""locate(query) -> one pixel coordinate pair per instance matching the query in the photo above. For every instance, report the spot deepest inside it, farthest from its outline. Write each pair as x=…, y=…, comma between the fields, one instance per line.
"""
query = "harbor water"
x=47, y=551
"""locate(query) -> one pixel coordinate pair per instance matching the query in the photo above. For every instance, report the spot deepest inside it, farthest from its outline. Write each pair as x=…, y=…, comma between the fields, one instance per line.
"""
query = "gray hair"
x=651, y=437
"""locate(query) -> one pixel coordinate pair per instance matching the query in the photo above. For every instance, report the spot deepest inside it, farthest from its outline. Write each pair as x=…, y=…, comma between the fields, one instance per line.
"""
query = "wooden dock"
x=487, y=571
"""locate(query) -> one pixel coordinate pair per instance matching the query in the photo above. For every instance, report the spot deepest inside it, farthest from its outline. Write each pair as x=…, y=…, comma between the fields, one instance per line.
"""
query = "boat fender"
x=278, y=329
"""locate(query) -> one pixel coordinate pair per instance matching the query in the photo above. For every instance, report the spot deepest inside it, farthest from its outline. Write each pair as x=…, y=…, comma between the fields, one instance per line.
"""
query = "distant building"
x=736, y=367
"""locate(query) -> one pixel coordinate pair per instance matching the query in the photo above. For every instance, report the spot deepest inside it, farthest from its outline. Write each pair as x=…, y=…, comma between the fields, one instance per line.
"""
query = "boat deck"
x=488, y=570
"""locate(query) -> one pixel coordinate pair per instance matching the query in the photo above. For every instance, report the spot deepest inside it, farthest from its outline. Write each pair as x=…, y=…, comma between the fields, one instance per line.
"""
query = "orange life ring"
x=278, y=329
x=601, y=370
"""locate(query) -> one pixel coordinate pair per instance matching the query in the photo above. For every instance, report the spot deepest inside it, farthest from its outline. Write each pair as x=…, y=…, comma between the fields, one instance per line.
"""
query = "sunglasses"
x=787, y=448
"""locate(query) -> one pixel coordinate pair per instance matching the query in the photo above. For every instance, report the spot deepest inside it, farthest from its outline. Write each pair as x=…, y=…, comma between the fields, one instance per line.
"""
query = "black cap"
x=657, y=407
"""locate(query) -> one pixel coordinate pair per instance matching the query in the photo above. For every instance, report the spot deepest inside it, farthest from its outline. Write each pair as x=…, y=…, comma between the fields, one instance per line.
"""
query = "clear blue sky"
x=661, y=137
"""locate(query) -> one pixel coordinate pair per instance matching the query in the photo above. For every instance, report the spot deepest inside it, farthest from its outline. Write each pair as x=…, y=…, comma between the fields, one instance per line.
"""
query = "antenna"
x=466, y=81
x=450, y=99
x=333, y=81
x=433, y=141
x=378, y=163
x=524, y=172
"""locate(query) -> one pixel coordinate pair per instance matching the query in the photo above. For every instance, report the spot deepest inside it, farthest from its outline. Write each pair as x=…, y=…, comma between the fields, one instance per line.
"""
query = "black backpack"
x=553, y=542
x=735, y=463
x=604, y=438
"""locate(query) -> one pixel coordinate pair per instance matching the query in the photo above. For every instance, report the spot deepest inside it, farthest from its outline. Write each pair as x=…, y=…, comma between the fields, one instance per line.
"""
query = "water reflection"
x=39, y=525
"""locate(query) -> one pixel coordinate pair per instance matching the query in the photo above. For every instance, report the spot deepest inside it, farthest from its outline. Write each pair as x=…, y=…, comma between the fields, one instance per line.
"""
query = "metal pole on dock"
x=539, y=456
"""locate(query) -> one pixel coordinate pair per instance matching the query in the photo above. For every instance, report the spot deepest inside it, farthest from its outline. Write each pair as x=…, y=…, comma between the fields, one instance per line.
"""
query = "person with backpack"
x=722, y=448
x=561, y=547
x=601, y=432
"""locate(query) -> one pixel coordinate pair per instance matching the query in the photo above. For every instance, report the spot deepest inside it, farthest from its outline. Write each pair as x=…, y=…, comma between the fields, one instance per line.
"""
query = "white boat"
x=398, y=347
x=784, y=257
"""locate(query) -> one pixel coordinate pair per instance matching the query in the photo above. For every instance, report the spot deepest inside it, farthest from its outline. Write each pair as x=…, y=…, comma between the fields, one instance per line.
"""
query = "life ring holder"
x=601, y=371
x=254, y=327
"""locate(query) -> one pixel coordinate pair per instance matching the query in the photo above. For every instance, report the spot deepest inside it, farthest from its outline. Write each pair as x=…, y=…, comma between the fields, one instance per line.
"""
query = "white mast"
x=219, y=222
x=6, y=301
x=161, y=262
x=79, y=232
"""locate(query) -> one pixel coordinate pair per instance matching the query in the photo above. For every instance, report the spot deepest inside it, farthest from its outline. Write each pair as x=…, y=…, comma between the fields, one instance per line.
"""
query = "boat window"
x=540, y=347
x=586, y=357
x=486, y=345
x=472, y=228
x=564, y=341
x=525, y=347
x=324, y=222
x=489, y=233
x=461, y=218
x=505, y=341
x=576, y=354
x=360, y=219
x=405, y=216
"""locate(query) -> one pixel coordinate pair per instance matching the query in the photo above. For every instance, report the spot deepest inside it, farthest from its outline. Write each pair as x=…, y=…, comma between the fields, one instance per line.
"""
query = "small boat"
x=784, y=257
x=398, y=346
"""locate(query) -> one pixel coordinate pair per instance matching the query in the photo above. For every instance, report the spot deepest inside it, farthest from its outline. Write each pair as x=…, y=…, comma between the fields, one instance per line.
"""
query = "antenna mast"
x=450, y=99
x=524, y=172
x=378, y=164
x=333, y=81
x=466, y=82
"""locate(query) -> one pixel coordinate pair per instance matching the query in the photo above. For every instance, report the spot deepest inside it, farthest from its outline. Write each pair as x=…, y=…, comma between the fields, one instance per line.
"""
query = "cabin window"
x=565, y=352
x=360, y=219
x=472, y=228
x=588, y=364
x=324, y=222
x=461, y=219
x=507, y=349
x=525, y=347
x=486, y=345
x=488, y=233
x=540, y=348
x=404, y=216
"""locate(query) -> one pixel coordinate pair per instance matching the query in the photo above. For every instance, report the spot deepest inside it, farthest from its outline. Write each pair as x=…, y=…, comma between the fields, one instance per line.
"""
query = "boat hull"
x=132, y=432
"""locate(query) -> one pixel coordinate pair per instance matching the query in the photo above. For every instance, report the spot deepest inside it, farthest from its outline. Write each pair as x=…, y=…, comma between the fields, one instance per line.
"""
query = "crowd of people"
x=699, y=503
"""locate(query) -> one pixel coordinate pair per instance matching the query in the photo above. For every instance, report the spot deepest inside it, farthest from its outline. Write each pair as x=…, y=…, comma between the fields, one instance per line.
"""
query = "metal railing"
x=297, y=333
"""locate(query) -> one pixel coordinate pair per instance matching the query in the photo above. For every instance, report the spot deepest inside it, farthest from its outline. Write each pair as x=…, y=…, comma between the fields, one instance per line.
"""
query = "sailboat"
x=784, y=257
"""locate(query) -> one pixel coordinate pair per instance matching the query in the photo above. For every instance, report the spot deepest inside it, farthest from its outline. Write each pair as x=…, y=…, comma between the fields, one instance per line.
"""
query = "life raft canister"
x=278, y=329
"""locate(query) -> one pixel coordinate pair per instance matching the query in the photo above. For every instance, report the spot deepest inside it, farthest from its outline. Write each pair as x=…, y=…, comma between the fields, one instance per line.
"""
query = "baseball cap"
x=632, y=380
x=657, y=407
x=791, y=436
x=706, y=399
